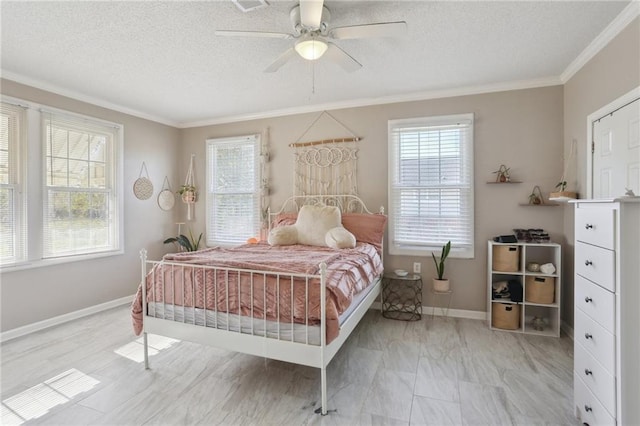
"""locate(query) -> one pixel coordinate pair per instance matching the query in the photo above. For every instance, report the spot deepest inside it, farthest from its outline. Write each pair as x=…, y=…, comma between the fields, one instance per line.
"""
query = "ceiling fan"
x=312, y=34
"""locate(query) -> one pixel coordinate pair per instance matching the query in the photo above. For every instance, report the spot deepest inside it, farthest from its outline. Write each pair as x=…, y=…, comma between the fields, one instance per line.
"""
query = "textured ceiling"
x=162, y=60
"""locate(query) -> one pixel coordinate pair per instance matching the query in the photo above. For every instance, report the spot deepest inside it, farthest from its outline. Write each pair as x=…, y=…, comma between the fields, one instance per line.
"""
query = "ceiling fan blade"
x=281, y=60
x=342, y=58
x=234, y=33
x=311, y=13
x=383, y=29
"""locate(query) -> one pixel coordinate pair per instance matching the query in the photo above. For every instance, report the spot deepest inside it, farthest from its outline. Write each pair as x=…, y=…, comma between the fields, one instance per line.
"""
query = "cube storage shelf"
x=511, y=261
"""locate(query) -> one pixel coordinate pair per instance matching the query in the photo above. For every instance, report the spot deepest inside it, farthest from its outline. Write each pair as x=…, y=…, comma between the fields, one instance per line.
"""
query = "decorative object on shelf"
x=561, y=194
x=538, y=324
x=533, y=267
x=532, y=235
x=188, y=191
x=629, y=193
x=185, y=243
x=536, y=198
x=441, y=284
x=502, y=174
x=401, y=272
x=547, y=268
x=142, y=187
x=166, y=197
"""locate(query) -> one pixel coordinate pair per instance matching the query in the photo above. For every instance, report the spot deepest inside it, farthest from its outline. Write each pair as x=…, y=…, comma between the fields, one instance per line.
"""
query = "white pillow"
x=283, y=236
x=314, y=222
x=339, y=238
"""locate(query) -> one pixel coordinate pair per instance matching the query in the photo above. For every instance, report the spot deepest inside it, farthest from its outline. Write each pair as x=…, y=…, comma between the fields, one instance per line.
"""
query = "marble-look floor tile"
x=427, y=411
x=484, y=405
x=436, y=370
x=437, y=378
x=390, y=395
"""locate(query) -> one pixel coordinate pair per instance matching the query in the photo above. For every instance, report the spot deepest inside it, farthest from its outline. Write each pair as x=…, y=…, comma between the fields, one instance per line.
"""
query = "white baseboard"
x=41, y=325
x=455, y=313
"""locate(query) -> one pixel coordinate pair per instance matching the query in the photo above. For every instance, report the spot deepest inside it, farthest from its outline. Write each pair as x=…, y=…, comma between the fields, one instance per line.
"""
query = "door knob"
x=588, y=336
x=587, y=299
x=588, y=226
x=588, y=372
x=587, y=408
x=588, y=262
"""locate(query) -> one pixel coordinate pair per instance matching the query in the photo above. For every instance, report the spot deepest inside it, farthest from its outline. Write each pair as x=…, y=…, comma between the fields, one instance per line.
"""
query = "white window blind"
x=233, y=189
x=81, y=198
x=12, y=192
x=431, y=185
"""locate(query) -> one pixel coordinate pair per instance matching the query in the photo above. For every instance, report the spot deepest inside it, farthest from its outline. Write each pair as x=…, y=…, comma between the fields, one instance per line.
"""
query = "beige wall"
x=37, y=294
x=614, y=71
x=522, y=129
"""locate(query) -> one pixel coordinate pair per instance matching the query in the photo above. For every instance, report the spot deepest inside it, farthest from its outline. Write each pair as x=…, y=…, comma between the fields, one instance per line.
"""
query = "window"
x=233, y=189
x=12, y=225
x=73, y=166
x=431, y=185
x=80, y=200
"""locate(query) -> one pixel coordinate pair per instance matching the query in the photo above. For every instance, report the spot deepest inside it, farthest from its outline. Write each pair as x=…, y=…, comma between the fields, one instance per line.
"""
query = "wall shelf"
x=505, y=183
x=540, y=205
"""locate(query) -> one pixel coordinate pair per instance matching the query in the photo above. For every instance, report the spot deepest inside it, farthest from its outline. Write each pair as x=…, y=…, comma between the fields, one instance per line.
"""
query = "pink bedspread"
x=349, y=271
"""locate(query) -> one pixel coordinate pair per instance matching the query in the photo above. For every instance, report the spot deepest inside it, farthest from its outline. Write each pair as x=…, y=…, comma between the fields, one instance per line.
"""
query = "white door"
x=616, y=152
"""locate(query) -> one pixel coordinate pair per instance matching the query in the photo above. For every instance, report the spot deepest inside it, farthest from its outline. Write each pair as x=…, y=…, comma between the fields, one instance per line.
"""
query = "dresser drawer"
x=588, y=409
x=596, y=264
x=598, y=380
x=599, y=304
x=595, y=225
x=596, y=340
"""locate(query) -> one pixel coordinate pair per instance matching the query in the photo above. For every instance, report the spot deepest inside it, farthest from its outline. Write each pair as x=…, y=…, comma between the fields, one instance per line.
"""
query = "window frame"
x=426, y=248
x=255, y=140
x=35, y=188
x=17, y=182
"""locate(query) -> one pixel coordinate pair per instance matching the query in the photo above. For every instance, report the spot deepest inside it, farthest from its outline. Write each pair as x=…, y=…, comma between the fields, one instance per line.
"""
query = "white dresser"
x=607, y=311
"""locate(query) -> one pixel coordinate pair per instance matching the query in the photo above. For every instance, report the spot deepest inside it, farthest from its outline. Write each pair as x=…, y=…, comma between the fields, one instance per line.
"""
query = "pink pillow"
x=367, y=228
x=284, y=219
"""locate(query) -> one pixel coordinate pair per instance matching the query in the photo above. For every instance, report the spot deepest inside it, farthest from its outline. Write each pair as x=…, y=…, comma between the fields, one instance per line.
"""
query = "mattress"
x=299, y=333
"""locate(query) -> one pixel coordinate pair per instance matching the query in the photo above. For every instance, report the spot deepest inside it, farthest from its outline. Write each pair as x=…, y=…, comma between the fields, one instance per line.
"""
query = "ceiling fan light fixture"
x=311, y=48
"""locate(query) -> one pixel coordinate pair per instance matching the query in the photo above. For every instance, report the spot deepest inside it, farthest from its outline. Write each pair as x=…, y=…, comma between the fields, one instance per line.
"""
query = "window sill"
x=43, y=263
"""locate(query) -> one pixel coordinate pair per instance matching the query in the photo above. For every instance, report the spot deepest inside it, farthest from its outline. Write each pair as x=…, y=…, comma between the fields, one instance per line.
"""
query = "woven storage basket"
x=505, y=316
x=506, y=258
x=539, y=289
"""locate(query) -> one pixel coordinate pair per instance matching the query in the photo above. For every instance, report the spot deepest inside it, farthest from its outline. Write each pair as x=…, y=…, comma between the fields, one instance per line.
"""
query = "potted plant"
x=502, y=174
x=441, y=284
x=188, y=193
x=185, y=243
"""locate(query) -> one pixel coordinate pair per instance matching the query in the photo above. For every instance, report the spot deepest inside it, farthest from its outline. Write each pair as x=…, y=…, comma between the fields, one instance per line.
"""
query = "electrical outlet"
x=417, y=267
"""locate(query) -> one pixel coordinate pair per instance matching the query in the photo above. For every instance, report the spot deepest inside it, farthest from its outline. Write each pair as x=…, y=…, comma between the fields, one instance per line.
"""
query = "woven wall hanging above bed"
x=328, y=166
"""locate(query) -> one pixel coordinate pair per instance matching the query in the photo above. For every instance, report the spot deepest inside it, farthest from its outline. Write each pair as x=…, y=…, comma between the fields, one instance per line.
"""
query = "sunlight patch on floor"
x=135, y=350
x=39, y=399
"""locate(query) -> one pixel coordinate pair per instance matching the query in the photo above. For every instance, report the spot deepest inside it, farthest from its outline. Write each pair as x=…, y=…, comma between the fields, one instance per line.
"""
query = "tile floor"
x=434, y=371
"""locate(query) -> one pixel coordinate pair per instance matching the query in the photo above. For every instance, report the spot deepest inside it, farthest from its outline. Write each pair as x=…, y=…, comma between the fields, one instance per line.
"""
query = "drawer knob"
x=588, y=262
x=588, y=372
x=588, y=336
x=587, y=408
x=588, y=226
x=587, y=299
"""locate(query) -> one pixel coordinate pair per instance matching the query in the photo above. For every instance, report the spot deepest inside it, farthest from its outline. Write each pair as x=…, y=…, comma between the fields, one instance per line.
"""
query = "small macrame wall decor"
x=327, y=166
x=166, y=197
x=188, y=191
x=142, y=187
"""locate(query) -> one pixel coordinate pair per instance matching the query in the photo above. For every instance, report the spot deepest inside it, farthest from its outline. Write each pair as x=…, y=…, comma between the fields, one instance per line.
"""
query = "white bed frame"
x=317, y=356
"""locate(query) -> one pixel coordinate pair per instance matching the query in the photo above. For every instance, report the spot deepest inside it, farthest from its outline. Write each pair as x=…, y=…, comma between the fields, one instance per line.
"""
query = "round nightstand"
x=402, y=297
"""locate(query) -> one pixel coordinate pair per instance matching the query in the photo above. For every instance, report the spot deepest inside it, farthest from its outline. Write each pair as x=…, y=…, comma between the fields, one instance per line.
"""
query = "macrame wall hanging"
x=328, y=166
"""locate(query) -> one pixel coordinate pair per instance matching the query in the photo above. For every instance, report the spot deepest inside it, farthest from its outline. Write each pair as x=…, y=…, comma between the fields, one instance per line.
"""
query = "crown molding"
x=616, y=26
x=355, y=103
x=39, y=84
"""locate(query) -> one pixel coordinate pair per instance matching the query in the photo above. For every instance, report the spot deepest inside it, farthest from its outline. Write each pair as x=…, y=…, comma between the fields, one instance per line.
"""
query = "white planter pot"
x=441, y=286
